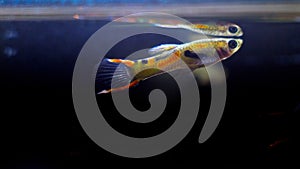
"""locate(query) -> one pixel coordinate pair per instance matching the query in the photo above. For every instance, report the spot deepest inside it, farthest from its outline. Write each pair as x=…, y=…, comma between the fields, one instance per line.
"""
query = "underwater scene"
x=204, y=84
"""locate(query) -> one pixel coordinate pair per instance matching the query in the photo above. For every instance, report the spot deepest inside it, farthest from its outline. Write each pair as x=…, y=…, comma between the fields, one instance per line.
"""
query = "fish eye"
x=190, y=54
x=233, y=29
x=232, y=44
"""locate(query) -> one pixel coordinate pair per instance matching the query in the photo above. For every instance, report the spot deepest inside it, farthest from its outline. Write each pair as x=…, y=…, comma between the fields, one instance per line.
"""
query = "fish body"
x=166, y=58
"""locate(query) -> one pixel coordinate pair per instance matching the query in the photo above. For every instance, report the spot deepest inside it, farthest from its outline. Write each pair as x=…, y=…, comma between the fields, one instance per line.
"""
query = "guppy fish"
x=212, y=29
x=228, y=29
x=166, y=58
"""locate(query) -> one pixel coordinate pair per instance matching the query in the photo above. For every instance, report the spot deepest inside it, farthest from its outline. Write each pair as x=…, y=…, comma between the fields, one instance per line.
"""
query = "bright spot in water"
x=10, y=34
x=76, y=16
x=9, y=51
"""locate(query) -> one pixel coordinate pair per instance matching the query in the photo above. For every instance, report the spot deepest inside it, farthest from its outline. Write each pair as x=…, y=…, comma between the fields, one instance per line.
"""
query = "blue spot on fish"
x=144, y=61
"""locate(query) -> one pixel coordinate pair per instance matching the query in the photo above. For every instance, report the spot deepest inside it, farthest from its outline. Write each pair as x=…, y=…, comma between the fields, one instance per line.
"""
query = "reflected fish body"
x=210, y=29
x=226, y=30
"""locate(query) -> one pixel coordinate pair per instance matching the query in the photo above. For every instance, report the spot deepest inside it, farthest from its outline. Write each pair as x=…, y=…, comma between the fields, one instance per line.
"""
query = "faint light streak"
x=277, y=142
x=10, y=52
x=10, y=34
x=76, y=16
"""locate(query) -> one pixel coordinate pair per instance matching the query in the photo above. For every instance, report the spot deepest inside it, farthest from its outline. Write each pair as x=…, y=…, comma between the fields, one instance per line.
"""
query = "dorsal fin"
x=161, y=48
x=166, y=25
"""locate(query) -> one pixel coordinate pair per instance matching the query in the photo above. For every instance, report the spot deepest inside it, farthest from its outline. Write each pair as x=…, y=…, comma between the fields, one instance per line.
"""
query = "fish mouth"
x=241, y=33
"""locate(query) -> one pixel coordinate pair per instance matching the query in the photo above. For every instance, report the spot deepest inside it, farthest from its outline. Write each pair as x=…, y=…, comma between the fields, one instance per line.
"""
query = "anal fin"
x=120, y=88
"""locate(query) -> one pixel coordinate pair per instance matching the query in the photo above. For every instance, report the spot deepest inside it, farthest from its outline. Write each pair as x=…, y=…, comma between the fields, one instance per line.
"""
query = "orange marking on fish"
x=151, y=61
x=201, y=45
x=200, y=26
x=128, y=63
x=115, y=60
x=170, y=60
x=177, y=53
x=120, y=88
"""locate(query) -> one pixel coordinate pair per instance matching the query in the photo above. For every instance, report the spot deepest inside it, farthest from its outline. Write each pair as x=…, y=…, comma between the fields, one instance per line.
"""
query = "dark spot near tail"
x=144, y=61
x=190, y=54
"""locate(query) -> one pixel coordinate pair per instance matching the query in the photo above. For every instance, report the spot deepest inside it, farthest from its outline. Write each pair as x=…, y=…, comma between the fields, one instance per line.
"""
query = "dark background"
x=41, y=130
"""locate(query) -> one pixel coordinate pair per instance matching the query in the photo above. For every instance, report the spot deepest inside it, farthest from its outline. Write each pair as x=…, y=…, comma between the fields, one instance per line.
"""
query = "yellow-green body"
x=207, y=52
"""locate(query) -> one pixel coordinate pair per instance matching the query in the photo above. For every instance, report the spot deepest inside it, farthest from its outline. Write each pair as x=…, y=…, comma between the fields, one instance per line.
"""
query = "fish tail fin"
x=114, y=75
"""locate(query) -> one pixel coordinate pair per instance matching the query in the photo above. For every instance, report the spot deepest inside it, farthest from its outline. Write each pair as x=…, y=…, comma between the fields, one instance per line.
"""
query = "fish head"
x=232, y=30
x=210, y=51
x=219, y=29
x=226, y=47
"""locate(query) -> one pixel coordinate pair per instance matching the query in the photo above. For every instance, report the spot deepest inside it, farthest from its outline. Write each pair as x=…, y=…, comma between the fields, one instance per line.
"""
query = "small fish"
x=227, y=30
x=211, y=29
x=167, y=58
